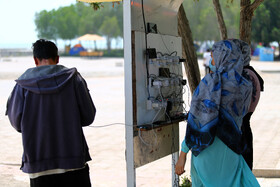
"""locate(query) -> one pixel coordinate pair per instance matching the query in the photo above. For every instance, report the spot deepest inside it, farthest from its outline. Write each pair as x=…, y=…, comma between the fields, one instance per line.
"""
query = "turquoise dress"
x=219, y=166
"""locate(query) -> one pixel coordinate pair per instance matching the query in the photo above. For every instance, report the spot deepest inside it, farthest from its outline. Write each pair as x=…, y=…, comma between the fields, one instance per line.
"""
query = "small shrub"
x=185, y=182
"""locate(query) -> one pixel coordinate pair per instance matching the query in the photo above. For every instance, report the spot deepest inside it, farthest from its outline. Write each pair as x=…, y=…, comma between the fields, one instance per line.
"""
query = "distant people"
x=49, y=105
x=206, y=59
x=258, y=86
x=214, y=123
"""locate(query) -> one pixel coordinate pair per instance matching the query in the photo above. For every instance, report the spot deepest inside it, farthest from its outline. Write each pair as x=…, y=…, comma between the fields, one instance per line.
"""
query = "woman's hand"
x=180, y=165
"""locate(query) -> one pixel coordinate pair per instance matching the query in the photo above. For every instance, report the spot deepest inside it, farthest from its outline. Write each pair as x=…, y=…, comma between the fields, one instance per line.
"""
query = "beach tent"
x=90, y=37
x=257, y=50
x=76, y=49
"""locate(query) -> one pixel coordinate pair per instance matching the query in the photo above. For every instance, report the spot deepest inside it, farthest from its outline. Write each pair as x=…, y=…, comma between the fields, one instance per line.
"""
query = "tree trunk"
x=189, y=53
x=109, y=45
x=278, y=49
x=95, y=45
x=222, y=25
x=246, y=15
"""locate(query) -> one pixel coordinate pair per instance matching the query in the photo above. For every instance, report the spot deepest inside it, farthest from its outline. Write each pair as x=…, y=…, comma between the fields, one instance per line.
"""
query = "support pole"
x=130, y=169
x=175, y=178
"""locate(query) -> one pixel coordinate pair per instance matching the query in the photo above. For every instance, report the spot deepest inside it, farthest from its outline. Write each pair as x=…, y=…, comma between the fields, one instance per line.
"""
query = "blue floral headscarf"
x=220, y=101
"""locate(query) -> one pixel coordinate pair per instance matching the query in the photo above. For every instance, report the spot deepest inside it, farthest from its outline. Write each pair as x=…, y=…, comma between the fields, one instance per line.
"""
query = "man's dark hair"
x=44, y=49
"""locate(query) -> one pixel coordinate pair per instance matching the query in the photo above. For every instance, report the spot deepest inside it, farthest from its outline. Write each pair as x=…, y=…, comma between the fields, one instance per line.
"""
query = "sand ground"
x=105, y=78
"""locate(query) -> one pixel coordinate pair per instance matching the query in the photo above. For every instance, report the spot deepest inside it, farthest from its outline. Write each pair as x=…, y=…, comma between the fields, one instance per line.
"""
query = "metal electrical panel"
x=154, y=83
x=159, y=79
x=157, y=95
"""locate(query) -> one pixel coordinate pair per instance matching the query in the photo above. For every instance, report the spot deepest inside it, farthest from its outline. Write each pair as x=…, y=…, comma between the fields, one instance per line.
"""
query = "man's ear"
x=36, y=61
x=57, y=59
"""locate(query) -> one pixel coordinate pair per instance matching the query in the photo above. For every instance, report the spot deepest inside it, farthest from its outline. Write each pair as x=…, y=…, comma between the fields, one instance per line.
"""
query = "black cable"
x=175, y=52
x=146, y=46
x=160, y=53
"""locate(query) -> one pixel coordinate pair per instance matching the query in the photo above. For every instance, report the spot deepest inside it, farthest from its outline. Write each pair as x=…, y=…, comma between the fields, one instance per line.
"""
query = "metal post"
x=130, y=169
x=175, y=178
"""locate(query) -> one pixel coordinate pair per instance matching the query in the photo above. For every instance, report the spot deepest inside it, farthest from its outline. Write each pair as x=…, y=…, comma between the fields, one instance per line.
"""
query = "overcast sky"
x=17, y=27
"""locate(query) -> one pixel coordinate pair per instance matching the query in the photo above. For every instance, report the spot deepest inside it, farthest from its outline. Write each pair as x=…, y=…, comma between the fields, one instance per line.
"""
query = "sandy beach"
x=105, y=79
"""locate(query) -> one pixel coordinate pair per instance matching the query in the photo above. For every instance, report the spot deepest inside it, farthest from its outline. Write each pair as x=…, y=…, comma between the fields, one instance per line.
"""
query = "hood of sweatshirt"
x=46, y=79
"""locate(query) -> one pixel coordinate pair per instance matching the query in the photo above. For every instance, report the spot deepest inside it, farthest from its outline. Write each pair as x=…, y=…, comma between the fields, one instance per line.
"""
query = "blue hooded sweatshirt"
x=49, y=105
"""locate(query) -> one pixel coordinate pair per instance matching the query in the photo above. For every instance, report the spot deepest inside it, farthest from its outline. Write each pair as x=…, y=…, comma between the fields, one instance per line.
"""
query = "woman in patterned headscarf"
x=213, y=133
x=258, y=87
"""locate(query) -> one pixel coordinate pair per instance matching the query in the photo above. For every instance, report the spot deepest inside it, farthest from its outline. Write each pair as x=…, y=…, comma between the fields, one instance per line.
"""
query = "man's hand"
x=180, y=165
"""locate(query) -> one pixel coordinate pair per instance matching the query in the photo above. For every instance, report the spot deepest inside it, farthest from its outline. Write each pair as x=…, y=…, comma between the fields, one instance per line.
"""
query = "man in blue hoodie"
x=49, y=105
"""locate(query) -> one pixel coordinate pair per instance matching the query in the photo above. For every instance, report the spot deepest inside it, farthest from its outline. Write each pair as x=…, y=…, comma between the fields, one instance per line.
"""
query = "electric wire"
x=140, y=137
x=155, y=136
x=123, y=124
x=146, y=47
x=143, y=141
x=111, y=124
x=163, y=41
x=155, y=116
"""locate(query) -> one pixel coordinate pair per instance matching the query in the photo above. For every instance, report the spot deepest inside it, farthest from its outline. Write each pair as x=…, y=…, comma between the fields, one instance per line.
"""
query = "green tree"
x=188, y=50
x=222, y=25
x=44, y=25
x=231, y=17
x=119, y=14
x=110, y=28
x=247, y=9
x=89, y=20
x=66, y=22
x=203, y=21
x=69, y=22
x=266, y=23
